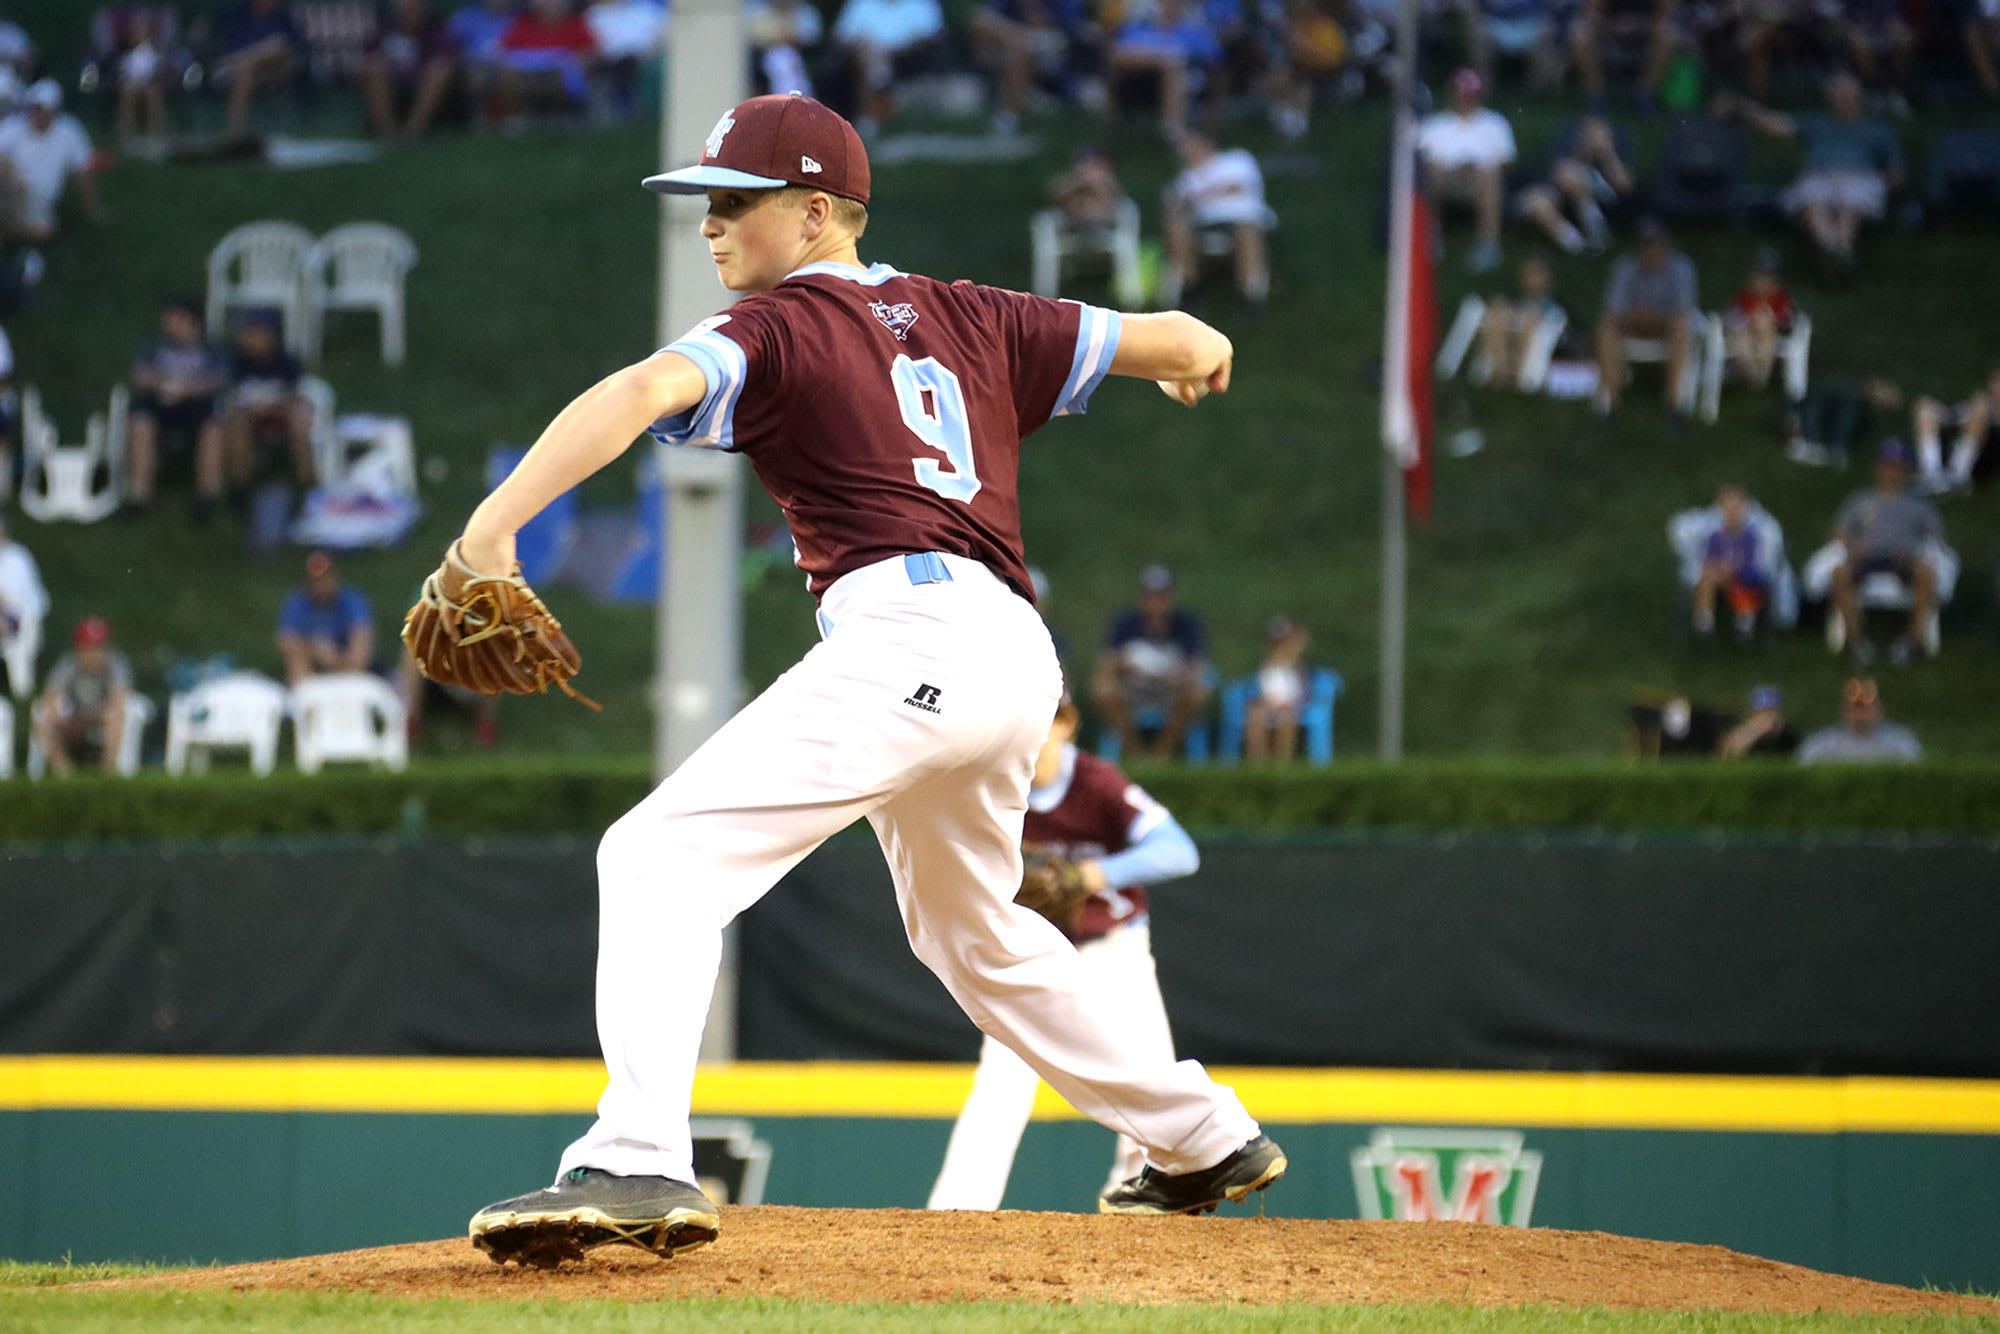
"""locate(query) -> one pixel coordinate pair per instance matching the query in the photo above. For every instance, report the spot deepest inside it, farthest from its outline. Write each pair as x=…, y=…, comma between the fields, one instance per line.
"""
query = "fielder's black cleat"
x=591, y=1208
x=1252, y=1167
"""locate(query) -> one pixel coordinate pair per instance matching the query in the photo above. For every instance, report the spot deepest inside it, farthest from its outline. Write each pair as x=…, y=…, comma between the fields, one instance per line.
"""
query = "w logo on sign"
x=897, y=319
x=1466, y=1176
x=716, y=135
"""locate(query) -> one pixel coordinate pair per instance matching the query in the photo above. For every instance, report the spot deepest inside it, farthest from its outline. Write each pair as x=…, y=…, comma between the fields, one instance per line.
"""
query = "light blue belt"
x=923, y=567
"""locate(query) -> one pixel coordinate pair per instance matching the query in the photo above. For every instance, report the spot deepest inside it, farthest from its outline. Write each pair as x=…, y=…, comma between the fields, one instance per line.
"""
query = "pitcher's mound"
x=898, y=1255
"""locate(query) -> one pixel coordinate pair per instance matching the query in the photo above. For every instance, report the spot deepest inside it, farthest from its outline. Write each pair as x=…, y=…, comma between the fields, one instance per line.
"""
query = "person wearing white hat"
x=42, y=150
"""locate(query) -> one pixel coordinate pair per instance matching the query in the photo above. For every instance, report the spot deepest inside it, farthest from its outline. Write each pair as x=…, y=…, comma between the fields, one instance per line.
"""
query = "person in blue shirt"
x=1152, y=679
x=258, y=40
x=1171, y=43
x=325, y=626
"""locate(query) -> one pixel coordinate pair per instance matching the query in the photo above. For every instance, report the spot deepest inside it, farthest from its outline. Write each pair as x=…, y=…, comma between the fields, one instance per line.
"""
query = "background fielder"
x=884, y=413
x=1084, y=810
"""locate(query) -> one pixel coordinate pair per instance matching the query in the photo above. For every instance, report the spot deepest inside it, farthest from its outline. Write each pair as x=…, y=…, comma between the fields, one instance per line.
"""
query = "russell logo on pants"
x=925, y=697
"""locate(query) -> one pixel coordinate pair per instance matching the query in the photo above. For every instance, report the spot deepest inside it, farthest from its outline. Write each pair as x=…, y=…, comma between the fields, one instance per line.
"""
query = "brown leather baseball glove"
x=1052, y=885
x=488, y=633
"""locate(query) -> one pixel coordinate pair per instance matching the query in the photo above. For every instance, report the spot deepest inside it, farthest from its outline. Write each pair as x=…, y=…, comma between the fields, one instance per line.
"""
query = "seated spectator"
x=1219, y=193
x=883, y=41
x=41, y=151
x=326, y=626
x=1026, y=42
x=1763, y=732
x=175, y=386
x=1168, y=45
x=476, y=28
x=1604, y=26
x=1151, y=680
x=1863, y=735
x=1651, y=295
x=1734, y=568
x=782, y=32
x=1878, y=39
x=1833, y=414
x=1310, y=55
x=81, y=714
x=1271, y=720
x=628, y=34
x=1088, y=194
x=1974, y=428
x=258, y=43
x=1511, y=325
x=24, y=601
x=545, y=59
x=407, y=70
x=1764, y=28
x=1465, y=151
x=144, y=70
x=266, y=416
x=1524, y=30
x=1852, y=161
x=1887, y=530
x=1587, y=173
x=1760, y=316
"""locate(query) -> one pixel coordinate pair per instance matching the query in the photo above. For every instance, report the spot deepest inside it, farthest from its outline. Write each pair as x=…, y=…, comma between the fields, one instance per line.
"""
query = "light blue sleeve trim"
x=1165, y=852
x=1097, y=333
x=711, y=423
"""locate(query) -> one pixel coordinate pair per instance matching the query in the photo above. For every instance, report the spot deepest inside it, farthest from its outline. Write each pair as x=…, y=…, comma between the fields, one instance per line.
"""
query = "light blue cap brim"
x=694, y=180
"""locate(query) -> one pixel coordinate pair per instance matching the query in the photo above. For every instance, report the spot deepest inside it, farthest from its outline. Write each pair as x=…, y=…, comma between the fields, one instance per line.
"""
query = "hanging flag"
x=1410, y=331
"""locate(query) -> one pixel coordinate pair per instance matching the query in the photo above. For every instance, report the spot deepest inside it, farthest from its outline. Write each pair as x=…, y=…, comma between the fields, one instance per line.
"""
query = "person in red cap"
x=82, y=708
x=884, y=413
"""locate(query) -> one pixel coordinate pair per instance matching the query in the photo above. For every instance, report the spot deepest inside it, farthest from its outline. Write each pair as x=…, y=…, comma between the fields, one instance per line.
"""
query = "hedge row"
x=582, y=796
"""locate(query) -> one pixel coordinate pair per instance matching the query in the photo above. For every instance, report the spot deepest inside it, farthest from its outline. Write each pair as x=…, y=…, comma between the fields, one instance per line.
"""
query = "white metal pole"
x=697, y=682
x=1395, y=383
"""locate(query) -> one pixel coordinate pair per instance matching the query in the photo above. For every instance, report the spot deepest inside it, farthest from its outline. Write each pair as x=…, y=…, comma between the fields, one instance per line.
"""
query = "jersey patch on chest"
x=897, y=319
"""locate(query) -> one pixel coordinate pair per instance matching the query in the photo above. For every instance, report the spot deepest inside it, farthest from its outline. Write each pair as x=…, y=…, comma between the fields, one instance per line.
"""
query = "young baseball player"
x=884, y=413
x=1084, y=812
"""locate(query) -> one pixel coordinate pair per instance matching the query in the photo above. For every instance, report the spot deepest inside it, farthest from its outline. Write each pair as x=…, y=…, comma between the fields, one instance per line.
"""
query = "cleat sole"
x=547, y=1240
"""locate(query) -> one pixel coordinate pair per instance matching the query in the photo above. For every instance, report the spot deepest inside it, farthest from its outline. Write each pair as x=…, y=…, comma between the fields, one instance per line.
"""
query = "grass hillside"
x=1541, y=594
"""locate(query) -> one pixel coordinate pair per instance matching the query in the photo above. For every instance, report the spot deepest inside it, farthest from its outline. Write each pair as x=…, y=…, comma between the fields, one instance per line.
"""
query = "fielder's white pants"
x=1123, y=988
x=837, y=738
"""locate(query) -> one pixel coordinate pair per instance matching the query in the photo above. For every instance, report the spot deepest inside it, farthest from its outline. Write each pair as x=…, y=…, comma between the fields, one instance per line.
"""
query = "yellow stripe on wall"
x=1281, y=1096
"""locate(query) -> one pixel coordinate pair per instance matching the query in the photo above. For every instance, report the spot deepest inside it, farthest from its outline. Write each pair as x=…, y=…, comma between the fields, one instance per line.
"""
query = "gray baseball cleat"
x=1252, y=1167
x=586, y=1208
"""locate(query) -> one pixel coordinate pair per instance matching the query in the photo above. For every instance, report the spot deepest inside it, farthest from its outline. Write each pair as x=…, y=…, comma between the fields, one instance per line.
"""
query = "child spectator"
x=1465, y=150
x=1152, y=678
x=41, y=151
x=1732, y=569
x=175, y=386
x=1974, y=426
x=1761, y=315
x=1218, y=192
x=144, y=69
x=266, y=410
x=325, y=626
x=258, y=42
x=82, y=710
x=1510, y=326
x=1271, y=720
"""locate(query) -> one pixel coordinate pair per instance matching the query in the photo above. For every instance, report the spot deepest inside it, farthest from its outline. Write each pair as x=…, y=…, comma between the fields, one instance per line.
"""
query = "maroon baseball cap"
x=777, y=140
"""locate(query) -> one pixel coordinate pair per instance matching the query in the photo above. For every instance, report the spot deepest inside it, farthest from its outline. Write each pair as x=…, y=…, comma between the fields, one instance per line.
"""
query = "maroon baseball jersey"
x=1091, y=811
x=884, y=412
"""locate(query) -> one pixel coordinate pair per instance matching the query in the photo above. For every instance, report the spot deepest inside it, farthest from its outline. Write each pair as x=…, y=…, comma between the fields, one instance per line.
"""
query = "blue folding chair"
x=1323, y=687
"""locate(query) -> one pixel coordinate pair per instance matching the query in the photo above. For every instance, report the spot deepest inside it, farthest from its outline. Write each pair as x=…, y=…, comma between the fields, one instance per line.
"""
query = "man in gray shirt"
x=1863, y=735
x=1651, y=295
x=1886, y=530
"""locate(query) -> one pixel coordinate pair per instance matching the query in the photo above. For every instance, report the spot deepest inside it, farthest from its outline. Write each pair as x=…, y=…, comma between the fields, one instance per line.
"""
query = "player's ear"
x=818, y=214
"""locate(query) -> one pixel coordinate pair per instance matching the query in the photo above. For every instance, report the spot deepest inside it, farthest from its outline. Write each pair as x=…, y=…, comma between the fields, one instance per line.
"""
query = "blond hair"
x=851, y=214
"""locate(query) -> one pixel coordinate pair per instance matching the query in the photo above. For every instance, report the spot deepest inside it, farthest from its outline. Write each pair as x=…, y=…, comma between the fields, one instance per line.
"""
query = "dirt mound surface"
x=872, y=1255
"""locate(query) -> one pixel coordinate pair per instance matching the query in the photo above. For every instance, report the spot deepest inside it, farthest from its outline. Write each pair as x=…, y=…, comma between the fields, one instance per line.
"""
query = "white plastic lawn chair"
x=1700, y=391
x=79, y=482
x=1465, y=326
x=348, y=716
x=240, y=711
x=6, y=738
x=1052, y=243
x=359, y=266
x=1881, y=591
x=261, y=264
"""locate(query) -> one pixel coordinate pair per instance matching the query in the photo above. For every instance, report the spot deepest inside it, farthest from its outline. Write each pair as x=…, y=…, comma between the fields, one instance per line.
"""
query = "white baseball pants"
x=922, y=710
x=1123, y=988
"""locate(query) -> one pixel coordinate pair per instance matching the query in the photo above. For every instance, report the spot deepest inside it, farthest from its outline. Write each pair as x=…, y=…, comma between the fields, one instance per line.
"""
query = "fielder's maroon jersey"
x=884, y=412
x=1091, y=811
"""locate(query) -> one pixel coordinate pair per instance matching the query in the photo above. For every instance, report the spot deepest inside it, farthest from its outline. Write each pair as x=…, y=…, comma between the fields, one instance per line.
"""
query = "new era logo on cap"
x=781, y=139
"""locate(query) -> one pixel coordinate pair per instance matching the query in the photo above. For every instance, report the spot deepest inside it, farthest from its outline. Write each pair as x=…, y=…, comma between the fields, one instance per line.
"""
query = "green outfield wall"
x=231, y=1159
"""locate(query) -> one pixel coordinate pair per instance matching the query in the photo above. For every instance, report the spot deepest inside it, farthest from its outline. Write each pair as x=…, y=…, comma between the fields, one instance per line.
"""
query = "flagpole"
x=1395, y=386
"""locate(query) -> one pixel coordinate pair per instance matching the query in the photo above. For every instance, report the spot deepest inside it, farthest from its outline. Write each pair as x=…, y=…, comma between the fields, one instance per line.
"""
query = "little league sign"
x=1466, y=1176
